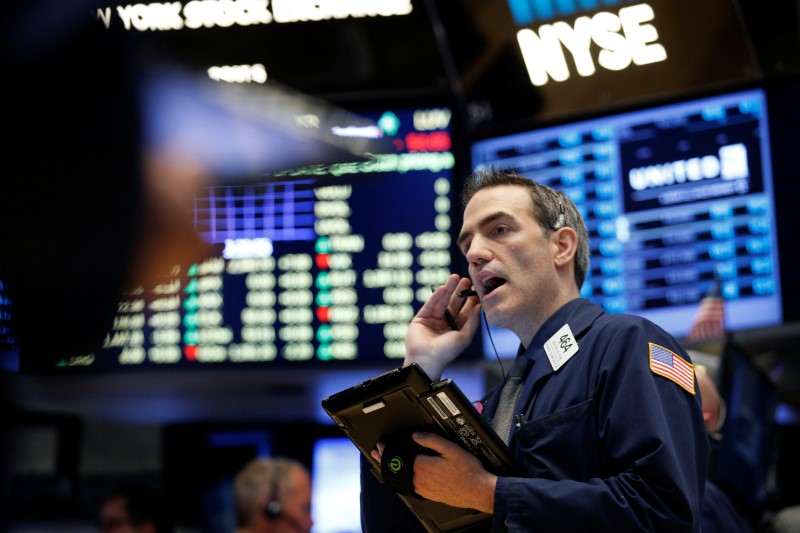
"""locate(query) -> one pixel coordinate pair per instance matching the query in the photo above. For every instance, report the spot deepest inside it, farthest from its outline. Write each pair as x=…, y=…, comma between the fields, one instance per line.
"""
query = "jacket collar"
x=579, y=314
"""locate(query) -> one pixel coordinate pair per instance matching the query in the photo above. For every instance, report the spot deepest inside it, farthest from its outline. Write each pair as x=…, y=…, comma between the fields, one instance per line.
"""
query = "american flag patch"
x=672, y=366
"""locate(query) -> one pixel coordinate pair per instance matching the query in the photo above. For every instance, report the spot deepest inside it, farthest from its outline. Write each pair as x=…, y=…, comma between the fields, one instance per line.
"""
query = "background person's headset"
x=273, y=509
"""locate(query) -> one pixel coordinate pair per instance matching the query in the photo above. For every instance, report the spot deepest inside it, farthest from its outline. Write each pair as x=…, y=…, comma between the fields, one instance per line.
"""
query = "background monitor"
x=675, y=197
x=9, y=355
x=204, y=497
x=319, y=263
x=335, y=500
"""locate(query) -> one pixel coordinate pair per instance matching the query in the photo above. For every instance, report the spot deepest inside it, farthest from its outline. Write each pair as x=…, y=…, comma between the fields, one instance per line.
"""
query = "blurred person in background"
x=134, y=508
x=719, y=513
x=273, y=495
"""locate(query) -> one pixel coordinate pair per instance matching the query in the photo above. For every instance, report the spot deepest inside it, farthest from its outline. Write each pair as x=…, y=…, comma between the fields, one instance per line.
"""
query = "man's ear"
x=566, y=242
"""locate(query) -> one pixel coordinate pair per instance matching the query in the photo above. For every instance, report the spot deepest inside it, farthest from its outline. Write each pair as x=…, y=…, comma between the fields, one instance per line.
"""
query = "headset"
x=559, y=222
x=273, y=508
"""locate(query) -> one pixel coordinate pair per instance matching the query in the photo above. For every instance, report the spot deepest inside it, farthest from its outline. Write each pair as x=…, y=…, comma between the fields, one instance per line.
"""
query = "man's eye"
x=500, y=230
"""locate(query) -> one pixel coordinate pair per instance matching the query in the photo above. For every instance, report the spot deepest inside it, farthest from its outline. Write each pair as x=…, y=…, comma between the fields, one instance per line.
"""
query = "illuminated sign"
x=624, y=39
x=162, y=16
x=731, y=164
x=527, y=11
x=239, y=73
x=605, y=53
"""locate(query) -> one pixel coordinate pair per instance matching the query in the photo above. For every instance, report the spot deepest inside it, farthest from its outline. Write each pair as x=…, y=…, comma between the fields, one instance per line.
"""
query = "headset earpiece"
x=273, y=508
x=559, y=223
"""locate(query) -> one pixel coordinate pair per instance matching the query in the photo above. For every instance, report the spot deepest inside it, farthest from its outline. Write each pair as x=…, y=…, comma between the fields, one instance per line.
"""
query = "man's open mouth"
x=492, y=283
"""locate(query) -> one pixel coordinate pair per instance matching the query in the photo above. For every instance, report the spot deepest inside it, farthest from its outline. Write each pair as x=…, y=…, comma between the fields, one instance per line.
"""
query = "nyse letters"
x=623, y=39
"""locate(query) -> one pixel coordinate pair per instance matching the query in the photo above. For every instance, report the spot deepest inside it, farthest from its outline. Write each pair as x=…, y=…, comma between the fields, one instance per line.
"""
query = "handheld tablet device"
x=404, y=400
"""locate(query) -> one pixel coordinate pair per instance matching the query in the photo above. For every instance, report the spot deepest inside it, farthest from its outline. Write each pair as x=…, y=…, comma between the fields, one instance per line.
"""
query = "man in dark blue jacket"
x=608, y=424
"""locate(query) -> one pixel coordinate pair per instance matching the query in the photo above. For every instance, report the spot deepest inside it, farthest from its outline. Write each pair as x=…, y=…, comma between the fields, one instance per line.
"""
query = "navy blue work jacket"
x=610, y=440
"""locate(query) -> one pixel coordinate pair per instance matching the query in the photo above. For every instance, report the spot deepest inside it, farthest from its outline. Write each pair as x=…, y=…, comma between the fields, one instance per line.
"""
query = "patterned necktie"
x=501, y=422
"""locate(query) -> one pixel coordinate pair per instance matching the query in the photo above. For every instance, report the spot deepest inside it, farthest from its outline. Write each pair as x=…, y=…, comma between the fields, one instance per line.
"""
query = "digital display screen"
x=9, y=359
x=675, y=198
x=336, y=485
x=315, y=264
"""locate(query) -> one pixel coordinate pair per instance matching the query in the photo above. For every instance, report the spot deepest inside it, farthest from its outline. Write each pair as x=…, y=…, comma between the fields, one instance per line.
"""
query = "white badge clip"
x=560, y=347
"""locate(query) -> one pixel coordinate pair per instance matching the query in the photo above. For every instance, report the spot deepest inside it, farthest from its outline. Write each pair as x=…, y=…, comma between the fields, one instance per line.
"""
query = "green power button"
x=395, y=464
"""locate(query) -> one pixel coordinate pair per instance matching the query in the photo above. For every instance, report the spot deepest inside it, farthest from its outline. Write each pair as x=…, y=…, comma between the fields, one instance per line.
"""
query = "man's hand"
x=454, y=477
x=430, y=341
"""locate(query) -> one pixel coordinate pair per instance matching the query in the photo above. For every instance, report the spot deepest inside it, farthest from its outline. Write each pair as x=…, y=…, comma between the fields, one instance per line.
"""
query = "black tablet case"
x=406, y=400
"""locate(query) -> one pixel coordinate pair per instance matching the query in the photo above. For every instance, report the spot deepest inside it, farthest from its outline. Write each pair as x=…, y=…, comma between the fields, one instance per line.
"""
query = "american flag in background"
x=709, y=322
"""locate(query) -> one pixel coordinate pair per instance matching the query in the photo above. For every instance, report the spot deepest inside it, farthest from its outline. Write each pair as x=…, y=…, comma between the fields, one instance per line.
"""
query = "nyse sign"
x=624, y=39
x=195, y=14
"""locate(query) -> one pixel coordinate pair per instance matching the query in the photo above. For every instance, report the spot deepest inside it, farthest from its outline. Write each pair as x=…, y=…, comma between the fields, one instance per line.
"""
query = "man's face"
x=511, y=261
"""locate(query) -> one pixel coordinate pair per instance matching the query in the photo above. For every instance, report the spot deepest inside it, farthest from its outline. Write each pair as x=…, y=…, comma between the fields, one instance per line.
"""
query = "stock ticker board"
x=313, y=264
x=676, y=198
